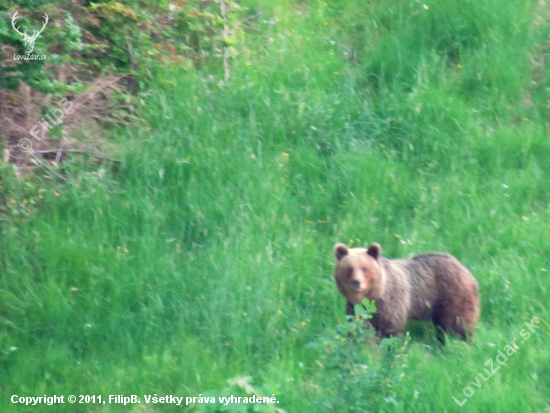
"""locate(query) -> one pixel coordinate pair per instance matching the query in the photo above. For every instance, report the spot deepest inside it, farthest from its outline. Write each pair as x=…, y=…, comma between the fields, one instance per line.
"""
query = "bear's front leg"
x=350, y=309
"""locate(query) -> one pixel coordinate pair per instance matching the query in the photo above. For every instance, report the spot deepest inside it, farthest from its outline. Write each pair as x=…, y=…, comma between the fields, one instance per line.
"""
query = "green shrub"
x=365, y=374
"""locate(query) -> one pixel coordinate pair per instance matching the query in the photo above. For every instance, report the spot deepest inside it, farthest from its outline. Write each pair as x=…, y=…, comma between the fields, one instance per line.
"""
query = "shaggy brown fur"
x=433, y=287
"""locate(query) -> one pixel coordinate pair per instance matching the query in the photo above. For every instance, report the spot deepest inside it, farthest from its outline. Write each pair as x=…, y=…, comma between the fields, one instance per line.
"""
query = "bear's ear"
x=340, y=251
x=375, y=250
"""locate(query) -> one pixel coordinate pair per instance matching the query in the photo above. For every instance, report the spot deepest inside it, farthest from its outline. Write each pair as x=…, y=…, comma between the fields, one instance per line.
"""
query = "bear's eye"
x=364, y=270
x=350, y=271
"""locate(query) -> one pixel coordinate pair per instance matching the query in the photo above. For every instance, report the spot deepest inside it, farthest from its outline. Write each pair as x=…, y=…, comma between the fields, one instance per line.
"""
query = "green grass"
x=208, y=254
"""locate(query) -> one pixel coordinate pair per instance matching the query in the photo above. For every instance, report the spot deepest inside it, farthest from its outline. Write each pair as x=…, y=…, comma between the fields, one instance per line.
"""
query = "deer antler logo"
x=29, y=40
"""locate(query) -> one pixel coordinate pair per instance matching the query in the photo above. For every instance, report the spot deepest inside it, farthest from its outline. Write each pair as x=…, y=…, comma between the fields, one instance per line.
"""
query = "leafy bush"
x=366, y=376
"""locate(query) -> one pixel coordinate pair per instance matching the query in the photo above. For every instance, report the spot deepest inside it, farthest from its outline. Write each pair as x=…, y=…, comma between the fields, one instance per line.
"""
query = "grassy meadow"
x=202, y=264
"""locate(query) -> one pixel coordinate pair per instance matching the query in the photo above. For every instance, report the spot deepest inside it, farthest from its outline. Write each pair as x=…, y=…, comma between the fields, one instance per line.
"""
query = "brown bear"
x=432, y=286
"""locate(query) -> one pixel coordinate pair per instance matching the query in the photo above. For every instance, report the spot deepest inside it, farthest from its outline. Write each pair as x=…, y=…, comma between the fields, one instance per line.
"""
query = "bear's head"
x=358, y=272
